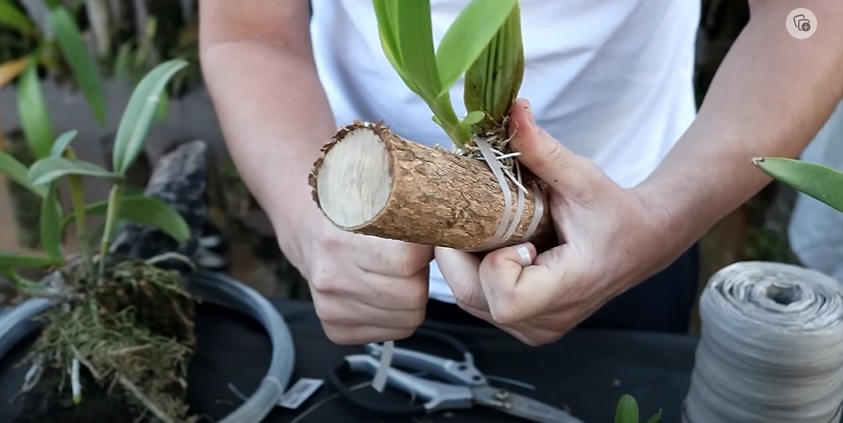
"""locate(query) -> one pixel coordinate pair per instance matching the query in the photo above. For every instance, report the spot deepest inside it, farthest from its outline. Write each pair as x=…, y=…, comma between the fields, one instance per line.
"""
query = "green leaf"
x=61, y=143
x=32, y=108
x=50, y=223
x=415, y=40
x=627, y=411
x=146, y=211
x=163, y=106
x=386, y=13
x=466, y=38
x=12, y=260
x=15, y=278
x=473, y=117
x=493, y=81
x=656, y=418
x=17, y=172
x=140, y=112
x=820, y=182
x=49, y=169
x=121, y=63
x=79, y=59
x=12, y=17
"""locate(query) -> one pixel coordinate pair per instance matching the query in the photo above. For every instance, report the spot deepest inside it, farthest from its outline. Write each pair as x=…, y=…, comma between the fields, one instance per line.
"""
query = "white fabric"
x=816, y=230
x=611, y=79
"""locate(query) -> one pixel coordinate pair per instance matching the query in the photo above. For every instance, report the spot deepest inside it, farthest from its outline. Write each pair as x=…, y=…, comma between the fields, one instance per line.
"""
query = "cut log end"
x=355, y=179
x=371, y=181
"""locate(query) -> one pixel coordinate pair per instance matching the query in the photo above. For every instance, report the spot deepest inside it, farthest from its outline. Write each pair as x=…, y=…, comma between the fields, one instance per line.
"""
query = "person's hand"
x=611, y=242
x=364, y=289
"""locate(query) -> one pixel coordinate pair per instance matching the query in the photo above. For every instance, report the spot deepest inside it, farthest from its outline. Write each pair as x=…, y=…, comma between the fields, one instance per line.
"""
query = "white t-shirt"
x=611, y=79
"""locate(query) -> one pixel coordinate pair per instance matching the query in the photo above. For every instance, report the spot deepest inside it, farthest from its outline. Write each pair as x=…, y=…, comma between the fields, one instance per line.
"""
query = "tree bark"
x=371, y=181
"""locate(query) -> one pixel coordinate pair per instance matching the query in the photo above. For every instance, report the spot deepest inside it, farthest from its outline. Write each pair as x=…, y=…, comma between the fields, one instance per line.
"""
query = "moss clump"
x=131, y=333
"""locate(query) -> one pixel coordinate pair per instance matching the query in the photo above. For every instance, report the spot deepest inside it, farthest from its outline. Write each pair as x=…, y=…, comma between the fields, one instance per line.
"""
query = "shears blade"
x=521, y=406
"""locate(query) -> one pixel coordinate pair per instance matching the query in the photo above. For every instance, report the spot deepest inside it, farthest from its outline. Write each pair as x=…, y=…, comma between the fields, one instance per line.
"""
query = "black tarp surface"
x=587, y=370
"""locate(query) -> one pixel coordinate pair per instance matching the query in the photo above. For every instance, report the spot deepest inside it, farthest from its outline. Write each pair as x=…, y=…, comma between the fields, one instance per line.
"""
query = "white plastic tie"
x=506, y=228
x=379, y=381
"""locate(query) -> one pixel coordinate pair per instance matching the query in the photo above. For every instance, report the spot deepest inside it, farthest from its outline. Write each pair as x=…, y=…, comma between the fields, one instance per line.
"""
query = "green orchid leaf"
x=18, y=280
x=50, y=223
x=10, y=260
x=49, y=169
x=79, y=59
x=17, y=172
x=473, y=117
x=415, y=40
x=121, y=63
x=656, y=418
x=163, y=106
x=146, y=211
x=61, y=144
x=386, y=13
x=466, y=38
x=493, y=81
x=627, y=410
x=32, y=108
x=140, y=112
x=818, y=181
x=386, y=16
x=12, y=17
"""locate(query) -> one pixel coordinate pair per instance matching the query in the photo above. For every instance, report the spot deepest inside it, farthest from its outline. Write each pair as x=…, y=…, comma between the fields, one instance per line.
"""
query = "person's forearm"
x=770, y=96
x=274, y=115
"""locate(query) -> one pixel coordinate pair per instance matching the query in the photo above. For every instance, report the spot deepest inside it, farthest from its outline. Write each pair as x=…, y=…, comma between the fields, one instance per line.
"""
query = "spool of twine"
x=771, y=348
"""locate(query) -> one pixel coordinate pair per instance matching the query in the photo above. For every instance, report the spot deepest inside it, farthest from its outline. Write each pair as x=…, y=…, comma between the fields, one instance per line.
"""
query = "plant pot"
x=17, y=324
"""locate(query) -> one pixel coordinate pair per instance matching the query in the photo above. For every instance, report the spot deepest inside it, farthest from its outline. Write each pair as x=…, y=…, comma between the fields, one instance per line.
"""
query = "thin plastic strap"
x=379, y=381
x=506, y=228
x=335, y=378
x=537, y=213
x=519, y=206
x=497, y=170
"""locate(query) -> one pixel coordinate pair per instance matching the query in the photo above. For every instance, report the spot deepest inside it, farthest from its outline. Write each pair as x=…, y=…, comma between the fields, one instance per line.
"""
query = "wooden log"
x=371, y=181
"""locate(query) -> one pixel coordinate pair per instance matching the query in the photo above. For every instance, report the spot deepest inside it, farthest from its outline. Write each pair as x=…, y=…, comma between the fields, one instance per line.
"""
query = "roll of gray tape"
x=771, y=347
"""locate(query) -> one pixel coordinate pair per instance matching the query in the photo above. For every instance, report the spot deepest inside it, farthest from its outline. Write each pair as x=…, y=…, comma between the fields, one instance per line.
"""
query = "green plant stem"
x=448, y=120
x=77, y=198
x=114, y=202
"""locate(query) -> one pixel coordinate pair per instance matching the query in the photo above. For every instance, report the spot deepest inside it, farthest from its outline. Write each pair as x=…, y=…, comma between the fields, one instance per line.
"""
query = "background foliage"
x=128, y=37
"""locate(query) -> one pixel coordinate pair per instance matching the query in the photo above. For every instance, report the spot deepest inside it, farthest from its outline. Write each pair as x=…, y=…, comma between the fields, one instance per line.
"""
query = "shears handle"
x=436, y=396
x=458, y=372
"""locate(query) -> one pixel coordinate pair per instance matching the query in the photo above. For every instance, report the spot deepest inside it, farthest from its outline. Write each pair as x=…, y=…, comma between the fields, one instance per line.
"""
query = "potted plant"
x=395, y=180
x=117, y=319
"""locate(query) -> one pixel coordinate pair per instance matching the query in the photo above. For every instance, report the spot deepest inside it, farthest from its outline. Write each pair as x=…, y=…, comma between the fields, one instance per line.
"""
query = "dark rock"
x=179, y=179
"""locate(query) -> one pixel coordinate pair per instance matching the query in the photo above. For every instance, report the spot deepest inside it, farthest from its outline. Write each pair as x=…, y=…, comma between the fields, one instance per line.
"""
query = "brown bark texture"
x=443, y=199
